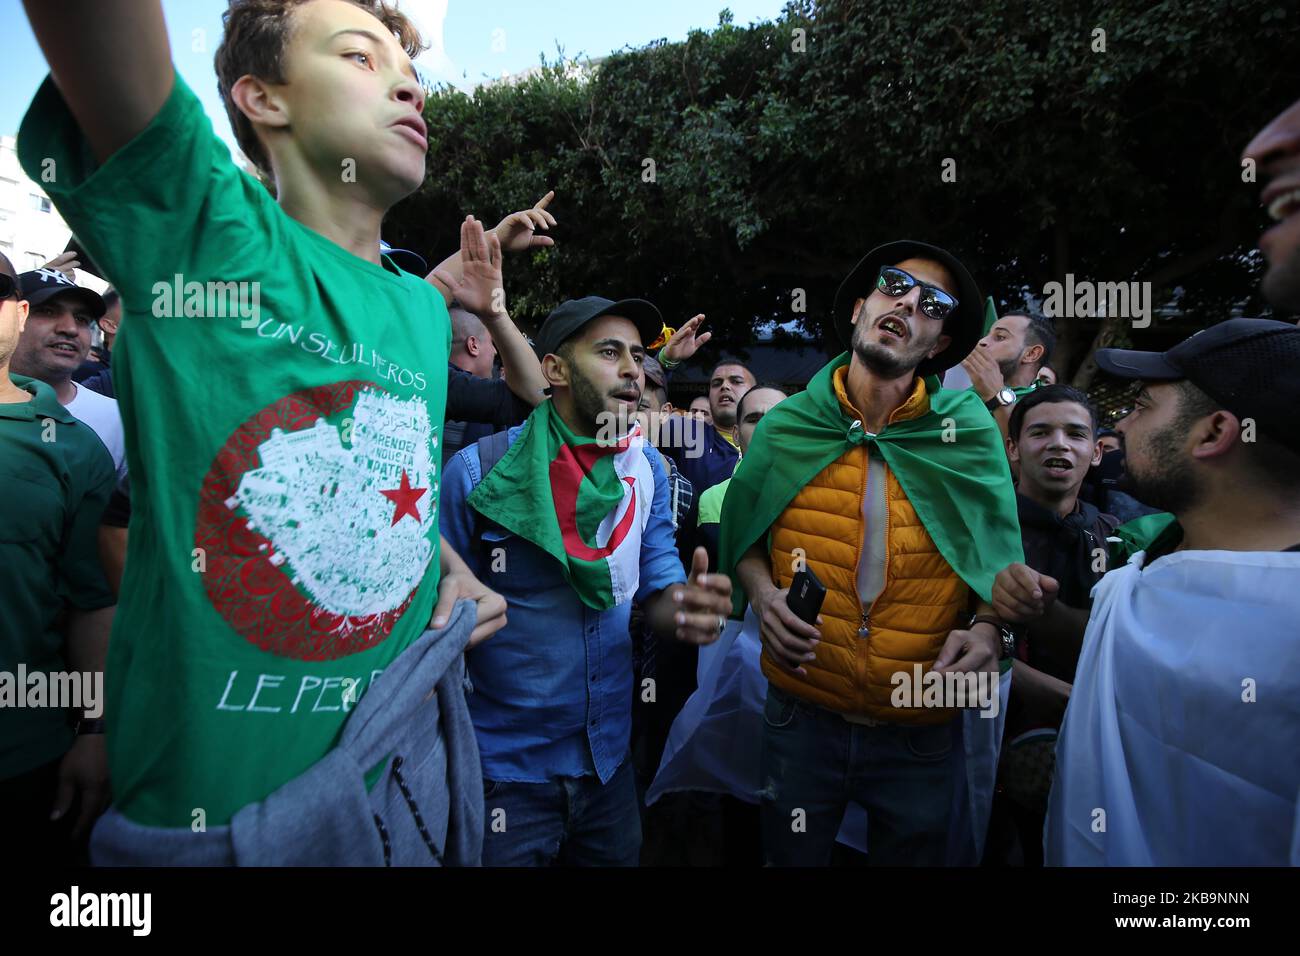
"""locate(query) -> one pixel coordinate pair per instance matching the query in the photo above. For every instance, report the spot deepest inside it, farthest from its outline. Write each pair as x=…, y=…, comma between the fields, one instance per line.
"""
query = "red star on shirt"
x=405, y=498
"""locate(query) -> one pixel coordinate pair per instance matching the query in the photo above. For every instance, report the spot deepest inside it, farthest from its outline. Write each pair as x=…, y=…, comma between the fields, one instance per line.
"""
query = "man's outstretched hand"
x=518, y=231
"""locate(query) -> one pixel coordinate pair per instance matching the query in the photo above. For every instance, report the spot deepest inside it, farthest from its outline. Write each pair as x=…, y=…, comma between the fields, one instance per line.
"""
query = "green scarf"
x=557, y=490
x=1137, y=535
x=950, y=462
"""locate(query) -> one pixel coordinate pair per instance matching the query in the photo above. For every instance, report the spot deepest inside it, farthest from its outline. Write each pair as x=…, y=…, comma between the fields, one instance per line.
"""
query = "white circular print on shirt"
x=316, y=520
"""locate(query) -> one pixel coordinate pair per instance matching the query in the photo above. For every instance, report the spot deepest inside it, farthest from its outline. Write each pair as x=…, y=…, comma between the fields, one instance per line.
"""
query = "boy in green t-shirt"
x=282, y=385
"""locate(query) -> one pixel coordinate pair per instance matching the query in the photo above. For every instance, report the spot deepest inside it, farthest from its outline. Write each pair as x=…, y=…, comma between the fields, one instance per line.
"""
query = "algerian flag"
x=584, y=501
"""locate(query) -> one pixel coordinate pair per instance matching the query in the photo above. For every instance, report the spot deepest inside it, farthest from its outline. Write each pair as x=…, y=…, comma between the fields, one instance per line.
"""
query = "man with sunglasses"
x=55, y=343
x=896, y=494
x=55, y=478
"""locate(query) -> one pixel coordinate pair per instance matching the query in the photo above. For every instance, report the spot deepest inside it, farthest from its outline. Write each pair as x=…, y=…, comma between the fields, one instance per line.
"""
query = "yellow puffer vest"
x=922, y=600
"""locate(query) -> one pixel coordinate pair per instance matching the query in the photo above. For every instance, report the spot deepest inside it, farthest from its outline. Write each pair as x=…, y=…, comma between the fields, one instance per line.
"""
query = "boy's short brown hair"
x=256, y=34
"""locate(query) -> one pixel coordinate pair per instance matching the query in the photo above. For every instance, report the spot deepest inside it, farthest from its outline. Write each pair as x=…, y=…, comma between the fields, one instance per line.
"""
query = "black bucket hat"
x=965, y=325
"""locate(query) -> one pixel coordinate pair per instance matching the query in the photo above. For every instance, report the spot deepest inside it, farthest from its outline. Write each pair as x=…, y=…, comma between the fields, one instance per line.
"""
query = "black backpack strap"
x=491, y=450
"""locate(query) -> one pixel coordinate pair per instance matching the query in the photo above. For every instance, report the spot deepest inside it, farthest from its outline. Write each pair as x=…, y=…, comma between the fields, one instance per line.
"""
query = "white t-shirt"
x=101, y=414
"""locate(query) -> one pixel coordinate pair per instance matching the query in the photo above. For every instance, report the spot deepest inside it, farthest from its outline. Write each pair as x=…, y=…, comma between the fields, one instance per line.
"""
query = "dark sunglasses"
x=8, y=286
x=935, y=303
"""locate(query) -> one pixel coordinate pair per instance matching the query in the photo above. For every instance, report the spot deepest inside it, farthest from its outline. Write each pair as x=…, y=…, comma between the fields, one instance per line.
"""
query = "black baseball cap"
x=570, y=316
x=1249, y=366
x=965, y=325
x=41, y=285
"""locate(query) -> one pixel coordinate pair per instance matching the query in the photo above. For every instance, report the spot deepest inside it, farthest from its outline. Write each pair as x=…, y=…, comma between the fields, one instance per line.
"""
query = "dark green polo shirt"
x=55, y=478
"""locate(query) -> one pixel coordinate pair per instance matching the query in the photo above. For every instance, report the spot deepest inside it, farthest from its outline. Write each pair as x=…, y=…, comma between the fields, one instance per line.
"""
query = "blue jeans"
x=568, y=821
x=816, y=762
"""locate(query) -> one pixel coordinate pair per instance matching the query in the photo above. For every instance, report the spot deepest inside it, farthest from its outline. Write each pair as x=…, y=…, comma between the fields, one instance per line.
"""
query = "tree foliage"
x=776, y=169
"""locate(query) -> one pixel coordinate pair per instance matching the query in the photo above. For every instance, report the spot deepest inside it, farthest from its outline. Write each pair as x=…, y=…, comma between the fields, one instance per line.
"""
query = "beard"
x=886, y=362
x=1170, y=486
x=590, y=404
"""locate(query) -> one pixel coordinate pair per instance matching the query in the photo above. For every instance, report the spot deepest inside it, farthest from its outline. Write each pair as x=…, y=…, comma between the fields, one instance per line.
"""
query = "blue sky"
x=473, y=39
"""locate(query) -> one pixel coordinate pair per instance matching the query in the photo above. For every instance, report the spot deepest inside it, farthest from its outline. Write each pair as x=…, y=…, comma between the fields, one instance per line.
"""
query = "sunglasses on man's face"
x=8, y=287
x=896, y=283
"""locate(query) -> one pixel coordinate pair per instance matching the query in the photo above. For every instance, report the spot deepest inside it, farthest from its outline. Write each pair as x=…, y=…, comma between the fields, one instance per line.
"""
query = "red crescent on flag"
x=567, y=471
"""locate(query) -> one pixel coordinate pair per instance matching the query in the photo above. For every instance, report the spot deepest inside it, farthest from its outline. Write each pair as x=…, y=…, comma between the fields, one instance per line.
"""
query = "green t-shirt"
x=711, y=503
x=55, y=478
x=282, y=401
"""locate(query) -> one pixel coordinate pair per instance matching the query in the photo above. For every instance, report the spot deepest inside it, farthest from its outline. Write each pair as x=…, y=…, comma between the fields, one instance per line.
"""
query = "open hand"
x=685, y=342
x=65, y=262
x=480, y=288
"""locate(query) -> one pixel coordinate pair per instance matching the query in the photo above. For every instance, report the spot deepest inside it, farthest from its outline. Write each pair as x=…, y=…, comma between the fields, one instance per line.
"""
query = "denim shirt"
x=553, y=688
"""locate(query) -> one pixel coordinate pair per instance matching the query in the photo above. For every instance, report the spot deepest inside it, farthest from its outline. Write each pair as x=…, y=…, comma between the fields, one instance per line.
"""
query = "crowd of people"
x=349, y=608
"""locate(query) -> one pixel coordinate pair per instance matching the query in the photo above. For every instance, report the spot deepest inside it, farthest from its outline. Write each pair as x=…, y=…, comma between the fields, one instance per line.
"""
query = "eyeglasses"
x=8, y=287
x=935, y=303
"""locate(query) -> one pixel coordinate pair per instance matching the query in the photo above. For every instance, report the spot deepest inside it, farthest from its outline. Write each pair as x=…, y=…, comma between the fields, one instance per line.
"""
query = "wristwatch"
x=87, y=725
x=1001, y=399
x=1006, y=636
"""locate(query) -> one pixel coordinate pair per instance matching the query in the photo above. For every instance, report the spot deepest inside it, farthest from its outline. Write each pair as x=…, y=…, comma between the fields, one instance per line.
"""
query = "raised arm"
x=478, y=287
x=112, y=62
x=517, y=232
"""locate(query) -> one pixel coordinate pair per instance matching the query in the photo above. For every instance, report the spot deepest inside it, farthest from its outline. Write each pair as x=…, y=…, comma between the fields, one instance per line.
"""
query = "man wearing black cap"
x=897, y=495
x=54, y=344
x=571, y=523
x=57, y=608
x=1179, y=743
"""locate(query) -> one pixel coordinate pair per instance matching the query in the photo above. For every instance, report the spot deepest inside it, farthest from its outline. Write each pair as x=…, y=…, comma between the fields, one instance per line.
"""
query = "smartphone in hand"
x=805, y=596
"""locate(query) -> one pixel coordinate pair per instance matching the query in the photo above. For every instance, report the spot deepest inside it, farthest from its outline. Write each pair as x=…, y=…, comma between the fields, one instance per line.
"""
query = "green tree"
x=780, y=157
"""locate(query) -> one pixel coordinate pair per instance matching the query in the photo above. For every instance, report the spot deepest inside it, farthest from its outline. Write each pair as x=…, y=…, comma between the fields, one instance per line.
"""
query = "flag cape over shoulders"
x=583, y=501
x=951, y=462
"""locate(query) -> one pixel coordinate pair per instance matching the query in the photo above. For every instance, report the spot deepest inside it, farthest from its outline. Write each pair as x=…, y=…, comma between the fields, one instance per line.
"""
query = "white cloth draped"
x=1181, y=742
